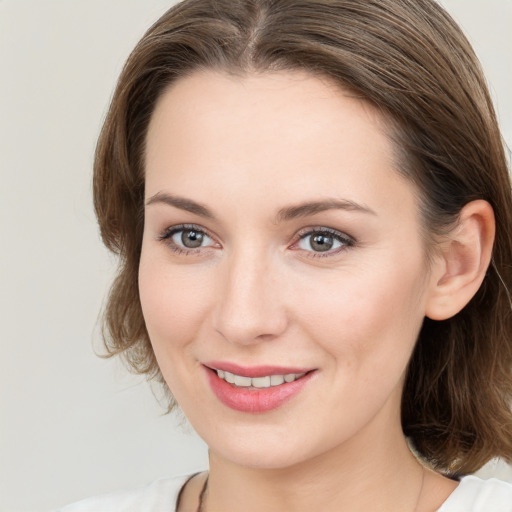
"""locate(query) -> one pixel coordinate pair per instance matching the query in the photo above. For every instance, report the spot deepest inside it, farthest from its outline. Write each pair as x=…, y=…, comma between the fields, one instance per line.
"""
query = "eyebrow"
x=182, y=203
x=284, y=214
x=313, y=207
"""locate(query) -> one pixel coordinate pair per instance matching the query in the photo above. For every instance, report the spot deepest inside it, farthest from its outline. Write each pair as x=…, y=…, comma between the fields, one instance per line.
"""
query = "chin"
x=261, y=446
x=261, y=457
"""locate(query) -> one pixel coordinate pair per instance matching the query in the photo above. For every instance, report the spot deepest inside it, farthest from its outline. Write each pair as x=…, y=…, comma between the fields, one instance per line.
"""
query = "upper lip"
x=255, y=371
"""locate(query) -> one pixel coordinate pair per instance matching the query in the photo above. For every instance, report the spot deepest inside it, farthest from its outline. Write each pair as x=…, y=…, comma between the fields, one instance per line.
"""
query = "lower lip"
x=255, y=400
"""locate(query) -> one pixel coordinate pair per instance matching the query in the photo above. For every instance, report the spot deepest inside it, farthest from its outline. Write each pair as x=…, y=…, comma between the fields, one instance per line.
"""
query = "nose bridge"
x=250, y=307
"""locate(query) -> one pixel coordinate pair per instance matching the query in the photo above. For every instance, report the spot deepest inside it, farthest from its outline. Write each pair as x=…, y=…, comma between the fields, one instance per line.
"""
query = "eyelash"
x=167, y=235
x=345, y=240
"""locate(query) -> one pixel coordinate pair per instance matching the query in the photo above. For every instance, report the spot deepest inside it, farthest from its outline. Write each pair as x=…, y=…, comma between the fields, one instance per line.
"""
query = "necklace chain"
x=204, y=490
x=418, y=499
x=202, y=495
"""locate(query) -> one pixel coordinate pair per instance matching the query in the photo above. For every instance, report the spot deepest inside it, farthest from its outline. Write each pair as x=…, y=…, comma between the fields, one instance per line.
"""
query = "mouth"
x=267, y=381
x=256, y=389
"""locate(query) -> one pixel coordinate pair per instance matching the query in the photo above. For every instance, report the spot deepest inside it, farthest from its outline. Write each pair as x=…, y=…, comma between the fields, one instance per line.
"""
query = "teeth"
x=276, y=380
x=243, y=382
x=261, y=382
x=258, y=382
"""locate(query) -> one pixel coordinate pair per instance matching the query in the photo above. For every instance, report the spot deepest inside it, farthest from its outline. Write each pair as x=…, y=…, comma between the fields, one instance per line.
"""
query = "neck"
x=353, y=477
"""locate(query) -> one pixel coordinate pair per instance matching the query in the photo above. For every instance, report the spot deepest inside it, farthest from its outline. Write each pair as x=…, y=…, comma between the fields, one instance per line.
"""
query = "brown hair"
x=407, y=57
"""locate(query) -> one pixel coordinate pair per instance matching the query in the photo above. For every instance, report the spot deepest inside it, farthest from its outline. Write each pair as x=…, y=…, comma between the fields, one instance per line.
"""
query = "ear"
x=464, y=257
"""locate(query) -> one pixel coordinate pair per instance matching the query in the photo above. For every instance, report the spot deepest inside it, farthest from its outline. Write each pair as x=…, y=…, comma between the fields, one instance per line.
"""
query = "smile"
x=256, y=389
x=266, y=381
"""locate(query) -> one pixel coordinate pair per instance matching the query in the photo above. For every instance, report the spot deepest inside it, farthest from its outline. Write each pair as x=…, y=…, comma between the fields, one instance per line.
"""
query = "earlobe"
x=462, y=262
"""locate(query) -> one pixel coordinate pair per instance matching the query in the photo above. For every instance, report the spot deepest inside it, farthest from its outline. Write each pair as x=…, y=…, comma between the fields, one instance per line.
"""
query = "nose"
x=250, y=307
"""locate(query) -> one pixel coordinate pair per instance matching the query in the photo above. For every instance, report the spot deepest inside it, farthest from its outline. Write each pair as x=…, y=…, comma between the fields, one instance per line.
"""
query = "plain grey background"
x=72, y=424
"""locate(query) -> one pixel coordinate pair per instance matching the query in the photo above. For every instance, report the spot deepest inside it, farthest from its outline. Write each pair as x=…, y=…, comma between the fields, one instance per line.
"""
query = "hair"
x=410, y=60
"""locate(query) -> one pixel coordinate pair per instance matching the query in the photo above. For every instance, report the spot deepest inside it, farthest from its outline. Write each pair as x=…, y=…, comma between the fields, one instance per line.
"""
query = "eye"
x=186, y=238
x=190, y=238
x=324, y=240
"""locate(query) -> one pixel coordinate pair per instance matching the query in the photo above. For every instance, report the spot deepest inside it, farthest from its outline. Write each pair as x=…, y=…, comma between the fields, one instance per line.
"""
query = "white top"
x=476, y=495
x=472, y=495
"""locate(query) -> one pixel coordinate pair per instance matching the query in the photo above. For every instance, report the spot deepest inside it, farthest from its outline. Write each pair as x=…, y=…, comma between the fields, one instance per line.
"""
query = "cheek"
x=172, y=303
x=363, y=317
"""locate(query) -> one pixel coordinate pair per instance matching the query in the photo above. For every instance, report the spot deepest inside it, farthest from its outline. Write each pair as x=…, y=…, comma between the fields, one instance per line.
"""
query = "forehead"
x=267, y=133
x=291, y=105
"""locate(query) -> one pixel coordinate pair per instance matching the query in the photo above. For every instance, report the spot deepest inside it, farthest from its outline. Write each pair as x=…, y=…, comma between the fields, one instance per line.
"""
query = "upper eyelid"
x=171, y=230
x=324, y=229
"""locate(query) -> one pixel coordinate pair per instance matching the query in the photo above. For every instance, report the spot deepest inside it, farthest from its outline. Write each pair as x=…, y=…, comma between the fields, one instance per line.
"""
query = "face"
x=283, y=279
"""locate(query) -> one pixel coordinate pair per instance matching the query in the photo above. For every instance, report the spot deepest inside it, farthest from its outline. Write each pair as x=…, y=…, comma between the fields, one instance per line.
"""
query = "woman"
x=312, y=209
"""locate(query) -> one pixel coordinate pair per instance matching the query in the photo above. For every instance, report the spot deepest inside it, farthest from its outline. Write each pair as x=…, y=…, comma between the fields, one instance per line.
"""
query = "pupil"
x=321, y=243
x=192, y=239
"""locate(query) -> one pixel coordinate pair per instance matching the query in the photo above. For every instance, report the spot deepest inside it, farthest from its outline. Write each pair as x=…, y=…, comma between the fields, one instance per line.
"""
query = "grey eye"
x=191, y=238
x=322, y=241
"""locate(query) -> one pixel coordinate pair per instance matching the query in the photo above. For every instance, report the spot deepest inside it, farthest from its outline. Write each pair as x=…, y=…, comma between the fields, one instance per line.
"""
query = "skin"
x=256, y=293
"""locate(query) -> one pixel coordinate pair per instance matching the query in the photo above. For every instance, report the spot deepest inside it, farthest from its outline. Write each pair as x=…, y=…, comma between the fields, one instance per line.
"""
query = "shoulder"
x=476, y=495
x=159, y=495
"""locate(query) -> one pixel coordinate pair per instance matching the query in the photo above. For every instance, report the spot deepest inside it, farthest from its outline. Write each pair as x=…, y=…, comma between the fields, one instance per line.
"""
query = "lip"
x=255, y=371
x=251, y=400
